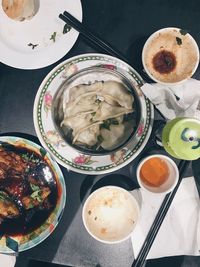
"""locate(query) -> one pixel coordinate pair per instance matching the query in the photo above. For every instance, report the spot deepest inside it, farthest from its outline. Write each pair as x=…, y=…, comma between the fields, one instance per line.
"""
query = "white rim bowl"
x=136, y=205
x=144, y=51
x=169, y=184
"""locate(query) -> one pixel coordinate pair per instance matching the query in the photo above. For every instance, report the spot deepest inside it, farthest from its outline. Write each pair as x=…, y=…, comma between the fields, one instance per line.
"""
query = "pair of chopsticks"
x=98, y=43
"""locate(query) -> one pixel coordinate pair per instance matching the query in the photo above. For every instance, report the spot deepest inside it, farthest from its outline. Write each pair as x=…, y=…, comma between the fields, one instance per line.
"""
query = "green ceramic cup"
x=181, y=138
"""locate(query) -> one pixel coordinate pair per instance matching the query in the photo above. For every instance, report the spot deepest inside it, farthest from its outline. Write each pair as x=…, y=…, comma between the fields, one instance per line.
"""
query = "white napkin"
x=7, y=260
x=164, y=98
x=180, y=231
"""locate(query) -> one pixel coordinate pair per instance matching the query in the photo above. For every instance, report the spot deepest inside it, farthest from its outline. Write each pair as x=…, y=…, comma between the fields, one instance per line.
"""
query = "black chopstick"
x=159, y=218
x=98, y=42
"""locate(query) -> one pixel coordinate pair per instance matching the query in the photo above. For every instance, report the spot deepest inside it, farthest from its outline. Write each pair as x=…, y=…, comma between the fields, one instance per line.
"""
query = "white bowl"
x=110, y=214
x=186, y=55
x=171, y=181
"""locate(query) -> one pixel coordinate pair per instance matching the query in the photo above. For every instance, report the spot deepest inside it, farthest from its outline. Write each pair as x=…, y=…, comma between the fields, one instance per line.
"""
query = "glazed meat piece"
x=37, y=197
x=11, y=165
x=8, y=208
x=17, y=188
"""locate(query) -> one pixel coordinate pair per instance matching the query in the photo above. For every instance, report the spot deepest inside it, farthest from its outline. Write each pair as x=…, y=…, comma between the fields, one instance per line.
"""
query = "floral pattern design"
x=54, y=138
x=69, y=70
x=118, y=157
x=140, y=128
x=83, y=160
x=47, y=102
x=108, y=66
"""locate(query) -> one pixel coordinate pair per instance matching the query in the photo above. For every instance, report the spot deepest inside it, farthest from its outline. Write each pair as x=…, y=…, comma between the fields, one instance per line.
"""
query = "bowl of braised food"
x=96, y=111
x=32, y=194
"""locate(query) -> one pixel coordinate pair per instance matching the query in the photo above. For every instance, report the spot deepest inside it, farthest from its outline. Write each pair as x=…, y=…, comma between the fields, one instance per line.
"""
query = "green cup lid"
x=181, y=138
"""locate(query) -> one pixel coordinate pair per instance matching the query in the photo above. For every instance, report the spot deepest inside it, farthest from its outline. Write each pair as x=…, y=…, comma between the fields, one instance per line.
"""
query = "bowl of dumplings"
x=96, y=111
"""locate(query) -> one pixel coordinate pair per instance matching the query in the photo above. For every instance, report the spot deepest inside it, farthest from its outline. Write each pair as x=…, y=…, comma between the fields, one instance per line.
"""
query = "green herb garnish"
x=107, y=123
x=25, y=157
x=93, y=113
x=114, y=121
x=4, y=196
x=100, y=138
x=30, y=158
x=98, y=101
x=37, y=195
x=33, y=45
x=27, y=169
x=183, y=32
x=53, y=37
x=66, y=28
x=31, y=206
x=34, y=187
x=36, y=192
x=179, y=41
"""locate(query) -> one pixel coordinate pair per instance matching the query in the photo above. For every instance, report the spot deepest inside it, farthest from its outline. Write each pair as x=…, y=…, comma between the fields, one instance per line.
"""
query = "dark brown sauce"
x=29, y=219
x=164, y=62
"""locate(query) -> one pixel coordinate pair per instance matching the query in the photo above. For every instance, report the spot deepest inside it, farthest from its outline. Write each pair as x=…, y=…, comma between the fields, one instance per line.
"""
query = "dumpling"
x=107, y=111
x=83, y=104
x=119, y=93
x=81, y=89
x=89, y=135
x=113, y=137
x=77, y=123
x=19, y=9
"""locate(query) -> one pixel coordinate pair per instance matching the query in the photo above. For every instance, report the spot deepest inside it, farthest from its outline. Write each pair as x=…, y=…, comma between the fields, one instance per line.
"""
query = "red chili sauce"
x=164, y=62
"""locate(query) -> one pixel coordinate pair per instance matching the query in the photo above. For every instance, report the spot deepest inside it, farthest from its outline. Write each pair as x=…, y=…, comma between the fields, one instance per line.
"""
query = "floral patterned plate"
x=14, y=243
x=63, y=153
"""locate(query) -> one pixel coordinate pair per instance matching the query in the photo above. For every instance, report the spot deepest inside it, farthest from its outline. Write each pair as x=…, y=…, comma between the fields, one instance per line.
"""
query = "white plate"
x=15, y=35
x=65, y=154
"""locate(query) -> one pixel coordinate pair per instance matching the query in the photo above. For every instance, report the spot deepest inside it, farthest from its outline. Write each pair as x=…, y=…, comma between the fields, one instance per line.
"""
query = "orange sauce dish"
x=154, y=172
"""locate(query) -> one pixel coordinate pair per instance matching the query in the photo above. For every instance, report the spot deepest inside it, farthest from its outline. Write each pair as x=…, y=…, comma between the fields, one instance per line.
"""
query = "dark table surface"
x=126, y=25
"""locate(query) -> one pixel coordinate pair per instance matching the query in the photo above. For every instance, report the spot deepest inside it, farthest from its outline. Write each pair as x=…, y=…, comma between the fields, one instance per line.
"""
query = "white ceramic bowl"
x=110, y=214
x=171, y=180
x=181, y=45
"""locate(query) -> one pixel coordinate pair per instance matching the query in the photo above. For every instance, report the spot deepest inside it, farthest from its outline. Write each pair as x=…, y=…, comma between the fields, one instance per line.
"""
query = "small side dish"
x=110, y=214
x=20, y=9
x=170, y=56
x=157, y=174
